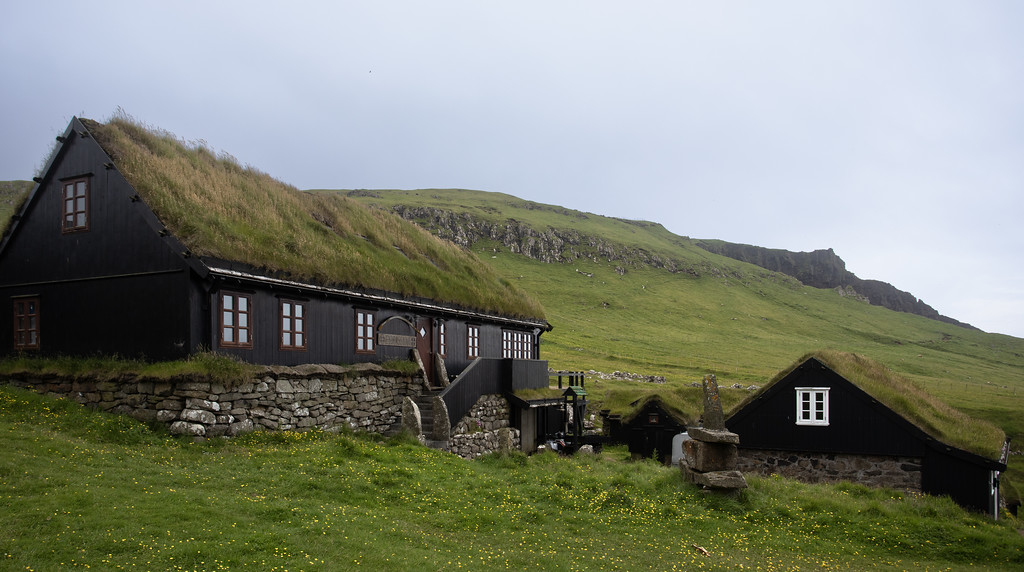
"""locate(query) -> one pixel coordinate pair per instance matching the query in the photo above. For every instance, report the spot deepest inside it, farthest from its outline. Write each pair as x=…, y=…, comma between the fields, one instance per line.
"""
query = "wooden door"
x=425, y=347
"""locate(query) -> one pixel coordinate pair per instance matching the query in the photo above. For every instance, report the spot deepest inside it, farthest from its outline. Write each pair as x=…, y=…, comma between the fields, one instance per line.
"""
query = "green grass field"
x=718, y=315
x=81, y=489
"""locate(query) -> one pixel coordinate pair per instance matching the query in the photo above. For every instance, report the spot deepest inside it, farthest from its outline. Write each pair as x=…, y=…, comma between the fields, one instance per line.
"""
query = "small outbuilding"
x=648, y=429
x=836, y=416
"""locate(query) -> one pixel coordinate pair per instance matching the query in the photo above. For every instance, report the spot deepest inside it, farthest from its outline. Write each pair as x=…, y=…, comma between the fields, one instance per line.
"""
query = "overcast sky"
x=892, y=132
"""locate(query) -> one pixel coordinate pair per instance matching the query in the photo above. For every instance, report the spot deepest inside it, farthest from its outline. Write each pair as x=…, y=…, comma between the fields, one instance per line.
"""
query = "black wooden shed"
x=648, y=429
x=814, y=424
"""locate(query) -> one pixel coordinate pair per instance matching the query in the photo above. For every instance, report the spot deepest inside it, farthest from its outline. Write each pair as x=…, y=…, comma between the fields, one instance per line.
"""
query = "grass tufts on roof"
x=220, y=209
x=915, y=404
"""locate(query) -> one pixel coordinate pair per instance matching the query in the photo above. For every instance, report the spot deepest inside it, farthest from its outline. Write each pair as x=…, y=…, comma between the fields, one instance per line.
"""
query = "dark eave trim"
x=377, y=299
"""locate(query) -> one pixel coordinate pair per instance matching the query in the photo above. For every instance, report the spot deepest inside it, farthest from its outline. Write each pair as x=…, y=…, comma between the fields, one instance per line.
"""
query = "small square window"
x=812, y=406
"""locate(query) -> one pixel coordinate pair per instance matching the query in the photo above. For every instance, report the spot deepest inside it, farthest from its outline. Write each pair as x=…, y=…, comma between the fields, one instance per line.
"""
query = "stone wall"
x=484, y=429
x=362, y=396
x=901, y=473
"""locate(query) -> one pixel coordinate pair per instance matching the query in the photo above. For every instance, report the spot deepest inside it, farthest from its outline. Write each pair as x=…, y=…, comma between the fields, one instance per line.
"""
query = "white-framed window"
x=812, y=406
x=516, y=345
x=442, y=339
x=365, y=321
x=472, y=342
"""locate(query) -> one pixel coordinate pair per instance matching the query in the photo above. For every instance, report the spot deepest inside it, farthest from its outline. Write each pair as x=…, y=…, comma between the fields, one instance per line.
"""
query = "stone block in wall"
x=244, y=426
x=185, y=428
x=166, y=415
x=199, y=416
x=204, y=404
x=144, y=415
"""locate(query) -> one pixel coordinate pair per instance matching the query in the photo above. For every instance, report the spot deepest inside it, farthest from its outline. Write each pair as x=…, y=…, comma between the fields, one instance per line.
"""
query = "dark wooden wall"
x=857, y=423
x=126, y=286
x=93, y=285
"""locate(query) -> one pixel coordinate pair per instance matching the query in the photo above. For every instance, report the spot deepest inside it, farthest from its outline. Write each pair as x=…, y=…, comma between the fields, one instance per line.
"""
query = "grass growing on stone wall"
x=73, y=497
x=218, y=368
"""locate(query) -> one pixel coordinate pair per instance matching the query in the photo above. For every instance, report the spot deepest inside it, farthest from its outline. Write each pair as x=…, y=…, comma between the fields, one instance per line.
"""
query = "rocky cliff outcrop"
x=819, y=269
x=825, y=269
x=550, y=245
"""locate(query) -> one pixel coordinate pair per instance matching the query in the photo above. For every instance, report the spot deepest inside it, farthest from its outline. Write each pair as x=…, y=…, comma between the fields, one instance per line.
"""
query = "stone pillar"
x=411, y=419
x=710, y=456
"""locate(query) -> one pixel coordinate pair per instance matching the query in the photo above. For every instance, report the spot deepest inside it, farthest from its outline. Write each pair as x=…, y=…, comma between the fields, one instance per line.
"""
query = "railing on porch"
x=573, y=378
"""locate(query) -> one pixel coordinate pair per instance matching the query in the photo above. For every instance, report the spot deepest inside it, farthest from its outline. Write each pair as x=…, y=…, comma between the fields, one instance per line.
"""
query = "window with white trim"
x=472, y=342
x=812, y=406
x=516, y=345
x=442, y=340
x=364, y=332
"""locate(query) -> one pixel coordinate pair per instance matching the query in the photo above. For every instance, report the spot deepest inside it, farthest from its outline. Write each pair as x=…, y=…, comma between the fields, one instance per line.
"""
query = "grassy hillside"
x=12, y=193
x=82, y=489
x=220, y=209
x=706, y=313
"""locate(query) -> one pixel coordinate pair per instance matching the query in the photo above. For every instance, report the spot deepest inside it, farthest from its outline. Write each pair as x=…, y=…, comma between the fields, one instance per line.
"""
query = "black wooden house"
x=814, y=424
x=87, y=267
x=649, y=429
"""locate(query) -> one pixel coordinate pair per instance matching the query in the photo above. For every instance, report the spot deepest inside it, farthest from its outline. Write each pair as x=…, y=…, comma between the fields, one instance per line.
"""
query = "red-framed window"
x=26, y=324
x=472, y=341
x=75, y=205
x=365, y=323
x=293, y=325
x=235, y=320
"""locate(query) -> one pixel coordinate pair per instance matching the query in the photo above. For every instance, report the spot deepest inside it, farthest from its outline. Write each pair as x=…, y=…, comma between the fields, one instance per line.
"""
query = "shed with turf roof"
x=840, y=417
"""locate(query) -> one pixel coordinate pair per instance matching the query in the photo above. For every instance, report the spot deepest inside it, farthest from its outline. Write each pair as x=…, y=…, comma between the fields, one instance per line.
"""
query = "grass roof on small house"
x=684, y=403
x=933, y=416
x=220, y=209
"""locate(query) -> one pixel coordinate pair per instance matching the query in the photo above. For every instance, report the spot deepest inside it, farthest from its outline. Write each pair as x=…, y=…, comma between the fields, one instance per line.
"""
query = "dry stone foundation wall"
x=485, y=429
x=901, y=473
x=364, y=396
